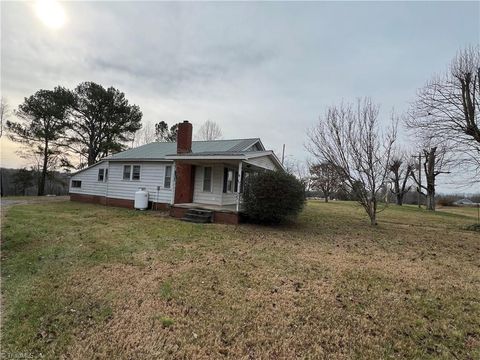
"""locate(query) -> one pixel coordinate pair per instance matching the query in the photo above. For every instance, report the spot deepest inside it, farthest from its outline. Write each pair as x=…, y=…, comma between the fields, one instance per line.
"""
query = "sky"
x=265, y=70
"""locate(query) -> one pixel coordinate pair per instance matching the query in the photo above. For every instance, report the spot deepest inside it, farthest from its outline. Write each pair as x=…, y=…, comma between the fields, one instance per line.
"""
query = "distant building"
x=464, y=202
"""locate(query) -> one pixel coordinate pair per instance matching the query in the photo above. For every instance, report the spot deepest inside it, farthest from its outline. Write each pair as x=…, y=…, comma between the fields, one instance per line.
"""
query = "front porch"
x=211, y=185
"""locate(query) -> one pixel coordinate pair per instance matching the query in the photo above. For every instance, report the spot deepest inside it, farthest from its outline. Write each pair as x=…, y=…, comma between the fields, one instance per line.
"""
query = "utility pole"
x=283, y=153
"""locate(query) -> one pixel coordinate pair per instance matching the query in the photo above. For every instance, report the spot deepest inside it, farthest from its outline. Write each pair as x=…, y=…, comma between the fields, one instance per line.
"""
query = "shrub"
x=272, y=197
x=446, y=200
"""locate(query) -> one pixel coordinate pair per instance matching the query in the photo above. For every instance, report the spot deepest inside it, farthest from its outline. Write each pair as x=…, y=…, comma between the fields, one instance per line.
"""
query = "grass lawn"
x=83, y=281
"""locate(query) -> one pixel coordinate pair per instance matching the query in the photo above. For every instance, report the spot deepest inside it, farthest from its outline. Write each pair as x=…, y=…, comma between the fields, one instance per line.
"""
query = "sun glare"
x=51, y=13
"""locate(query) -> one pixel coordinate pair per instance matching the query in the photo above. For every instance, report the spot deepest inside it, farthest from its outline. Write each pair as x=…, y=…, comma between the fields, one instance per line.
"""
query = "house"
x=203, y=179
x=464, y=202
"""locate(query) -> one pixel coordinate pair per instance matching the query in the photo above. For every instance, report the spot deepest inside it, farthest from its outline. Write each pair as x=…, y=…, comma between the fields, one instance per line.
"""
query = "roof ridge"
x=226, y=139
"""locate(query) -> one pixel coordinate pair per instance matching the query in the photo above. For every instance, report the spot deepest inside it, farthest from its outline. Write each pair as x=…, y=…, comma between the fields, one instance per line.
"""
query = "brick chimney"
x=184, y=137
x=185, y=173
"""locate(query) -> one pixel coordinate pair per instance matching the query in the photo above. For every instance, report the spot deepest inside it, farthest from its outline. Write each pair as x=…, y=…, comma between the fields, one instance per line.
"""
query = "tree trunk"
x=372, y=213
x=326, y=198
x=43, y=176
x=430, y=175
x=400, y=199
x=91, y=159
x=431, y=201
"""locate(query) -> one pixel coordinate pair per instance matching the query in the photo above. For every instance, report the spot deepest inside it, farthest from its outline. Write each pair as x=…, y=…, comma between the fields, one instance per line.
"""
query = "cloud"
x=258, y=69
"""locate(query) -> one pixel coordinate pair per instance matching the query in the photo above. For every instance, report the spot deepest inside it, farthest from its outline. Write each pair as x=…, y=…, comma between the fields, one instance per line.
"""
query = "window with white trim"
x=131, y=172
x=229, y=181
x=167, y=181
x=127, y=171
x=101, y=175
x=207, y=179
x=76, y=183
x=135, y=172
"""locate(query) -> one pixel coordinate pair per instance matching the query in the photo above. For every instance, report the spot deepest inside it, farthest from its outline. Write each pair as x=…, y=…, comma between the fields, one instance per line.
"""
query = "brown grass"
x=329, y=286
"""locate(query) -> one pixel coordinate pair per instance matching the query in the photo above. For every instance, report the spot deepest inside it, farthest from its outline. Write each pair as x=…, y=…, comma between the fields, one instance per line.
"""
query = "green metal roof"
x=159, y=150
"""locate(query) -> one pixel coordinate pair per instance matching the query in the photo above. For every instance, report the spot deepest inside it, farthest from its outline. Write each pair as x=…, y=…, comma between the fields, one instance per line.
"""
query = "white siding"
x=216, y=197
x=229, y=198
x=263, y=162
x=213, y=197
x=90, y=183
x=151, y=176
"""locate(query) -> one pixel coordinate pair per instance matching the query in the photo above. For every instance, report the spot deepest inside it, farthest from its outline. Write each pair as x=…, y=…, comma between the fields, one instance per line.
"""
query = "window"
x=168, y=177
x=76, y=184
x=136, y=172
x=228, y=180
x=131, y=172
x=207, y=179
x=126, y=172
x=101, y=174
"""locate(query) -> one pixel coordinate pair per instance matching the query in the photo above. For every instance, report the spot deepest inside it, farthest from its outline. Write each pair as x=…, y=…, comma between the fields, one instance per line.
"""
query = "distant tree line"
x=25, y=182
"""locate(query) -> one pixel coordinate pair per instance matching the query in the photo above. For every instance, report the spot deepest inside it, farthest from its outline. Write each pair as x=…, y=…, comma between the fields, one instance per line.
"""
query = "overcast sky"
x=263, y=70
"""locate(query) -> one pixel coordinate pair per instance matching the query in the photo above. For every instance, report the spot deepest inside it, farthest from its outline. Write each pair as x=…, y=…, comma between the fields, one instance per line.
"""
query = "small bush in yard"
x=272, y=197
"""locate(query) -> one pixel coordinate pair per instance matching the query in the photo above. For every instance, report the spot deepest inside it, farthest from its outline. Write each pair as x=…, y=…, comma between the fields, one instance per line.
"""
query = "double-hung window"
x=135, y=172
x=167, y=181
x=230, y=180
x=101, y=175
x=127, y=171
x=207, y=179
x=131, y=172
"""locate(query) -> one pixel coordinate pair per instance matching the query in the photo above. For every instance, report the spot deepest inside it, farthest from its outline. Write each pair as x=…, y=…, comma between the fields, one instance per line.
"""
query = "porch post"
x=239, y=184
x=173, y=182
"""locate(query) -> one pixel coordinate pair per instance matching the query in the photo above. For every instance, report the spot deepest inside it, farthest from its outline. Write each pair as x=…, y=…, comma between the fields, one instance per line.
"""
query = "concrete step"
x=196, y=220
x=198, y=216
x=200, y=212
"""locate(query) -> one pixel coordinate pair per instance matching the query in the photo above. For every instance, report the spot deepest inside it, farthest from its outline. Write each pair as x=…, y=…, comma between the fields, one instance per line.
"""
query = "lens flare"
x=51, y=13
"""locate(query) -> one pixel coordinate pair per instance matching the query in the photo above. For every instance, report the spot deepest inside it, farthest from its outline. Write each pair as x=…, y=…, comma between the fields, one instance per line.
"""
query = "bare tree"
x=145, y=135
x=299, y=169
x=4, y=113
x=35, y=157
x=349, y=137
x=447, y=107
x=210, y=130
x=326, y=178
x=400, y=170
x=436, y=162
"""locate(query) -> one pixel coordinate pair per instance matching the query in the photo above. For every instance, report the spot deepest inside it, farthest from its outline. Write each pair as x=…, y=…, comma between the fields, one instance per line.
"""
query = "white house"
x=182, y=176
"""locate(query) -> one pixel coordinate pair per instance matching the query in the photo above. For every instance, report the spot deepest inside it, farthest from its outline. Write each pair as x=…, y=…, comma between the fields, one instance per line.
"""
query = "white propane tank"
x=141, y=199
